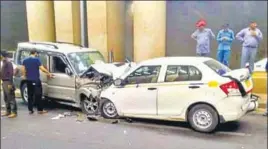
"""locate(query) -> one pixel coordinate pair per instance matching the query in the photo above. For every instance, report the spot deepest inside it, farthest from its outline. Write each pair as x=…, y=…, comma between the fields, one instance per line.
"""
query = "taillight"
x=230, y=88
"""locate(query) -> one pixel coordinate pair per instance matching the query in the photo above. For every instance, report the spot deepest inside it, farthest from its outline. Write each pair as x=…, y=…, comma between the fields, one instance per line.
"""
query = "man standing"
x=225, y=38
x=250, y=38
x=202, y=36
x=8, y=86
x=30, y=70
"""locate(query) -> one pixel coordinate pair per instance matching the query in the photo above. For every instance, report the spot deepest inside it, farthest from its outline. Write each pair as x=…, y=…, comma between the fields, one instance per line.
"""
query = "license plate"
x=248, y=83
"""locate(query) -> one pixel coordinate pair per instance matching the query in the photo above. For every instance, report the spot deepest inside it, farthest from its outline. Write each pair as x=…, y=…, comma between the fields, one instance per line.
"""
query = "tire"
x=203, y=118
x=89, y=105
x=24, y=93
x=108, y=110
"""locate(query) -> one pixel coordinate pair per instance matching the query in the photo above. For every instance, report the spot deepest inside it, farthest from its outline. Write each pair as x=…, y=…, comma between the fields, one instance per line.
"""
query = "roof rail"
x=47, y=44
x=69, y=43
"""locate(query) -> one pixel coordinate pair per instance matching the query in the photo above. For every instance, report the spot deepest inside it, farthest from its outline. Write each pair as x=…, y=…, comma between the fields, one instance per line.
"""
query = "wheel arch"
x=205, y=103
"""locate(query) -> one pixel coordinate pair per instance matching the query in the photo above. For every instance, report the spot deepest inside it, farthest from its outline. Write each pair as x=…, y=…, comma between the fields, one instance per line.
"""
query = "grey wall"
x=182, y=15
x=13, y=24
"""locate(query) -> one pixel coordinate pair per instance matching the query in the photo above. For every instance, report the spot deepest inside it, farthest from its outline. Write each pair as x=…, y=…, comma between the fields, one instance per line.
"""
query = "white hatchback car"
x=198, y=90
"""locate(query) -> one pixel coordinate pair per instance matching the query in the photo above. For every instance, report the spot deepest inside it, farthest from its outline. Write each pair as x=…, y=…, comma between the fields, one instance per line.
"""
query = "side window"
x=194, y=74
x=43, y=58
x=144, y=74
x=23, y=55
x=182, y=73
x=58, y=66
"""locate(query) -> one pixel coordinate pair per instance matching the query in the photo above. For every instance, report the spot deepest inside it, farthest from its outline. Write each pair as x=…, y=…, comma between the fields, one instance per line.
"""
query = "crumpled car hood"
x=112, y=69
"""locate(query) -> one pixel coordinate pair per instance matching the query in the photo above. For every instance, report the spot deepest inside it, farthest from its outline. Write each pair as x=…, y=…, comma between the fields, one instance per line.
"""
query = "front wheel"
x=108, y=110
x=90, y=105
x=203, y=118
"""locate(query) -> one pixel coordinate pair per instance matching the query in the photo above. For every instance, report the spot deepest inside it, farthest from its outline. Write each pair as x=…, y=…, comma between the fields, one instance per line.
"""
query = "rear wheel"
x=203, y=118
x=24, y=93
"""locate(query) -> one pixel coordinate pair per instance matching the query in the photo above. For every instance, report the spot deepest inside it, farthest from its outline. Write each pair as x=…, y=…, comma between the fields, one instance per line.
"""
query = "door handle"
x=194, y=87
x=151, y=88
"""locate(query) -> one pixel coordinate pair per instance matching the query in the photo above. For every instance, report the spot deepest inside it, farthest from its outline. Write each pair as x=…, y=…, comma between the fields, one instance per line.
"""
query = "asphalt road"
x=41, y=132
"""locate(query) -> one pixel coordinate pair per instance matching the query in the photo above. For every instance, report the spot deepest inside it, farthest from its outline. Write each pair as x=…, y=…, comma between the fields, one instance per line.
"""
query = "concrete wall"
x=13, y=23
x=182, y=15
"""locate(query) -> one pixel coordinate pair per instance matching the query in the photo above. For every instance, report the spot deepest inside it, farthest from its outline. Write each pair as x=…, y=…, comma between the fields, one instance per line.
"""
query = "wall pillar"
x=67, y=21
x=105, y=27
x=40, y=20
x=149, y=29
x=116, y=28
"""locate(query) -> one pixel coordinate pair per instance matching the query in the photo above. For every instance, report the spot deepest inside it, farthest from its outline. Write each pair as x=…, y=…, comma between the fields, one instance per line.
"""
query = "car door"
x=139, y=95
x=23, y=54
x=62, y=85
x=181, y=85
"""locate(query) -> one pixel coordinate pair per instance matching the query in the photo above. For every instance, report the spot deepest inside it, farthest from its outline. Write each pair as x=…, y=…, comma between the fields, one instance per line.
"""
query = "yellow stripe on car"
x=213, y=84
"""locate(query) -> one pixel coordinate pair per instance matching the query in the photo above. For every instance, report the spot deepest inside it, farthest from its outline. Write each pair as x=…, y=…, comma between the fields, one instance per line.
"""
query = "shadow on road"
x=226, y=127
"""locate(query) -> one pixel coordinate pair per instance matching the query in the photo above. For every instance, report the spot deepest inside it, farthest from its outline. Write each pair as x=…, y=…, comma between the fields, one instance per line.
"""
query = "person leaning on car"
x=30, y=70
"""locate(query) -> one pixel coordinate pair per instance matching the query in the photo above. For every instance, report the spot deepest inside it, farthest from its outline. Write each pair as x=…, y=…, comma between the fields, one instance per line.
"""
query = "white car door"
x=139, y=95
x=181, y=85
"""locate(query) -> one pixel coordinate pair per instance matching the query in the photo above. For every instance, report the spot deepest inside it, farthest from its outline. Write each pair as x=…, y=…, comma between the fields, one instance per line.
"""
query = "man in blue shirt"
x=250, y=38
x=31, y=73
x=225, y=38
x=202, y=36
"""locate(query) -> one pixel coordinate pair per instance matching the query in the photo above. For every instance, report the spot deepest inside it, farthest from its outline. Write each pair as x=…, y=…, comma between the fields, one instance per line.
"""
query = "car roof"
x=55, y=47
x=175, y=61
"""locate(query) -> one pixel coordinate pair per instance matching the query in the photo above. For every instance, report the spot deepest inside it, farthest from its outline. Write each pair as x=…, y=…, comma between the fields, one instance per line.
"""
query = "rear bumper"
x=237, y=110
x=254, y=104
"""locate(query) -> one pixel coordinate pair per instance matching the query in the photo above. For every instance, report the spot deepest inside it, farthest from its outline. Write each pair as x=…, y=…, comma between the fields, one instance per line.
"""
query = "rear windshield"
x=217, y=67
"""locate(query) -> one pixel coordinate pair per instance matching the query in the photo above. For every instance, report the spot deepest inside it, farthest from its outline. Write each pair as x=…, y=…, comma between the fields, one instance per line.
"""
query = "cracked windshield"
x=81, y=61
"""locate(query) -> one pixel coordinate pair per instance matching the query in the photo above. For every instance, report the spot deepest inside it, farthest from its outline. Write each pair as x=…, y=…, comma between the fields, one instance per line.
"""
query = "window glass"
x=144, y=74
x=23, y=55
x=26, y=53
x=217, y=66
x=182, y=73
x=81, y=61
x=58, y=65
x=43, y=59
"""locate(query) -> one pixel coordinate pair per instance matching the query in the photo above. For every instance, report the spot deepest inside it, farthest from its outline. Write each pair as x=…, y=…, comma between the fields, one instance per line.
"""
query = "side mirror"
x=118, y=82
x=68, y=71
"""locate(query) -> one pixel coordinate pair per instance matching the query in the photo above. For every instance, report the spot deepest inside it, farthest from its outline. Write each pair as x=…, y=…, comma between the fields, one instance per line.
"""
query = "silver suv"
x=75, y=82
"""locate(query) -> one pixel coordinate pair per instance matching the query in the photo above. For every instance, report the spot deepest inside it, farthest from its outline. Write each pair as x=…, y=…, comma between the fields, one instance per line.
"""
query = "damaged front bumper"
x=254, y=104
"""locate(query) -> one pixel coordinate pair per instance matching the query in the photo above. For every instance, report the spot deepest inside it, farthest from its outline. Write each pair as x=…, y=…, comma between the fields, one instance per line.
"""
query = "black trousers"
x=9, y=97
x=35, y=94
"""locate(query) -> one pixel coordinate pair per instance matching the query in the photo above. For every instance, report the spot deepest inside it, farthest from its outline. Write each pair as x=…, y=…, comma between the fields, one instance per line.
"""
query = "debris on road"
x=93, y=117
x=129, y=120
x=80, y=117
x=115, y=122
x=58, y=117
x=67, y=114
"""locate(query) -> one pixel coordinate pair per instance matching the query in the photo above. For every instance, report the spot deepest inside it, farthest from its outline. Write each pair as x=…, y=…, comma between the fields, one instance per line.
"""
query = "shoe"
x=31, y=112
x=5, y=114
x=42, y=112
x=265, y=114
x=12, y=115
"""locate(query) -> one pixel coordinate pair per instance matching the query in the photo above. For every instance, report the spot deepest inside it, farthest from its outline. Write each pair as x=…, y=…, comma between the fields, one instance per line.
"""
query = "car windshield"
x=217, y=67
x=81, y=61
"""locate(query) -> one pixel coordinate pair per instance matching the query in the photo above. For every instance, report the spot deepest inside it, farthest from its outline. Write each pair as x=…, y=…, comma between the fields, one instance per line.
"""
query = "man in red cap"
x=202, y=36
